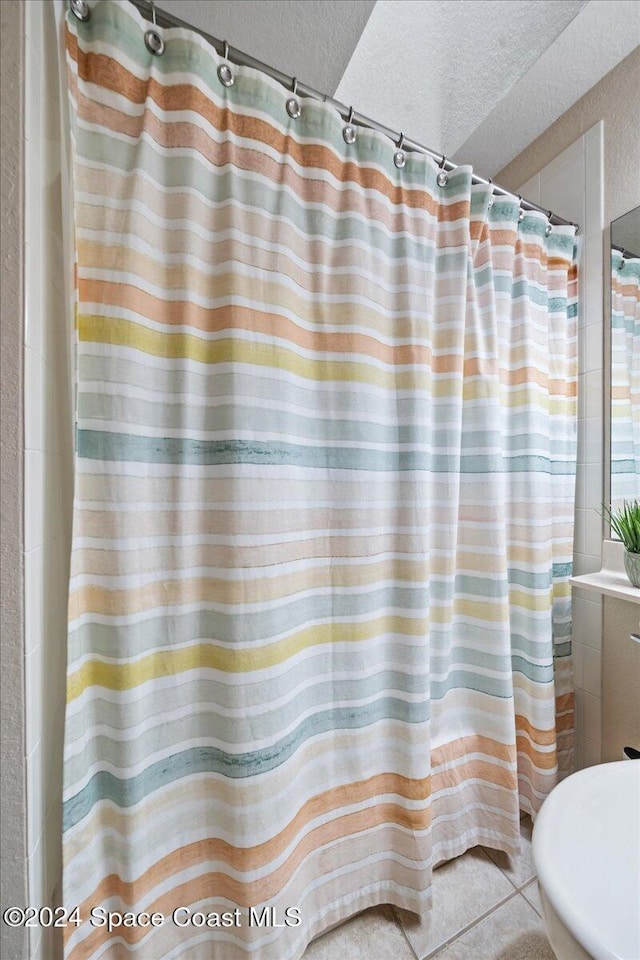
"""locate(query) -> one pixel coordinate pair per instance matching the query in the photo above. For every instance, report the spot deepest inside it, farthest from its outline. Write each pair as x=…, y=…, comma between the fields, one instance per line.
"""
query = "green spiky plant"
x=625, y=523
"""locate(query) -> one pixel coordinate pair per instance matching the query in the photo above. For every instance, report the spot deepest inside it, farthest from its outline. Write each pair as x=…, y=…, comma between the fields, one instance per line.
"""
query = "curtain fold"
x=625, y=379
x=319, y=617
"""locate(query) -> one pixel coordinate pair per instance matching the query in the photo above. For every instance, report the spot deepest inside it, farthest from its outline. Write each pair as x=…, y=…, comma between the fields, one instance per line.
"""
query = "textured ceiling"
x=309, y=39
x=436, y=68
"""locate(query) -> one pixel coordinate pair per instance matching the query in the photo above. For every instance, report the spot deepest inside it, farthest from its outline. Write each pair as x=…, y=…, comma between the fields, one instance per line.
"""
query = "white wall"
x=13, y=843
x=572, y=185
x=48, y=463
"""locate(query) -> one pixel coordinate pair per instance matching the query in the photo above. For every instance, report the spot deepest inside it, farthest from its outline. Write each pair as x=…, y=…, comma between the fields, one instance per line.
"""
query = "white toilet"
x=586, y=849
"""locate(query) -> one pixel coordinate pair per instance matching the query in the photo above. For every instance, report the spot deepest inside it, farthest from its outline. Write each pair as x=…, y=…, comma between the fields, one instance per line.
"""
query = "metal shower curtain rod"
x=161, y=18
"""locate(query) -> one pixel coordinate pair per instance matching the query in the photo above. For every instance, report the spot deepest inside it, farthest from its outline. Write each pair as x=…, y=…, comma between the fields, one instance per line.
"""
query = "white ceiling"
x=436, y=68
x=476, y=79
x=309, y=39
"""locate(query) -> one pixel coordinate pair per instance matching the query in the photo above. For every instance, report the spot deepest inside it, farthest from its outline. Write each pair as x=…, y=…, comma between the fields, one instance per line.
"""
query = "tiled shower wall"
x=48, y=464
x=573, y=186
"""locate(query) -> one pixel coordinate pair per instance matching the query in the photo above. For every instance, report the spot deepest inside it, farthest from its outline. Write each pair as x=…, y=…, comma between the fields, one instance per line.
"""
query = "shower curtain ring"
x=349, y=132
x=80, y=9
x=293, y=104
x=521, y=213
x=399, y=157
x=153, y=41
x=225, y=73
x=443, y=177
x=549, y=226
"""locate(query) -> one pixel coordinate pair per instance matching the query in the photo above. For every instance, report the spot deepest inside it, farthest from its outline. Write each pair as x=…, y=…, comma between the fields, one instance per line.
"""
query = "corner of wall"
x=13, y=885
x=48, y=460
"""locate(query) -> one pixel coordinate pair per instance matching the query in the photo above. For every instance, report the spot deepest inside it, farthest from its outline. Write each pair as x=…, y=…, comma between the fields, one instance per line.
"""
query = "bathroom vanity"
x=620, y=723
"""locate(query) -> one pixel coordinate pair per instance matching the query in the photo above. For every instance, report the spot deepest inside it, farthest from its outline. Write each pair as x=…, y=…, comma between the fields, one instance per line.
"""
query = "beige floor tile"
x=463, y=889
x=372, y=935
x=518, y=868
x=532, y=894
x=512, y=932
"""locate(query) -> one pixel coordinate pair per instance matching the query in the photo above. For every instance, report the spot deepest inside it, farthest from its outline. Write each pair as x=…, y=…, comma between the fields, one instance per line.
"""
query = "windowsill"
x=612, y=580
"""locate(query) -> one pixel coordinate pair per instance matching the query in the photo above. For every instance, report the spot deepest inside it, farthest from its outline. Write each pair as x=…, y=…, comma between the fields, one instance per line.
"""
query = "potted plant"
x=625, y=523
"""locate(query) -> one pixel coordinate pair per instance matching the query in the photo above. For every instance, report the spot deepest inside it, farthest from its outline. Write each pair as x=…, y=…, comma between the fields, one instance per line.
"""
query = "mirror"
x=625, y=358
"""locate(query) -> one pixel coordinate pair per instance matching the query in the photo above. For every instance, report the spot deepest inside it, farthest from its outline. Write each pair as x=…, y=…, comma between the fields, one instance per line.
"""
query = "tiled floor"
x=485, y=907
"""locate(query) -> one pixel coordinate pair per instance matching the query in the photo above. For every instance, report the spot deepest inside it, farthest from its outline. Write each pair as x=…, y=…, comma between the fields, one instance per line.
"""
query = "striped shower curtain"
x=319, y=618
x=625, y=378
